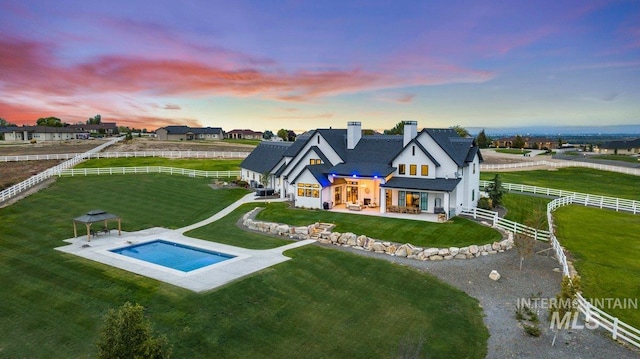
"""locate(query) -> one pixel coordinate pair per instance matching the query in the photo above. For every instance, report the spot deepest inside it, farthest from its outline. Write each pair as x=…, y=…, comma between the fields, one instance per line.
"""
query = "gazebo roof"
x=95, y=215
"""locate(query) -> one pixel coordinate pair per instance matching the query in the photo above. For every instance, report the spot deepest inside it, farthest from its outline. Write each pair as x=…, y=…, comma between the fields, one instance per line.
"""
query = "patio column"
x=448, y=205
x=383, y=200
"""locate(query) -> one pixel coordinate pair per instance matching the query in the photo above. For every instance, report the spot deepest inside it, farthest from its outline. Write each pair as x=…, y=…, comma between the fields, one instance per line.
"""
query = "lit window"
x=401, y=169
x=424, y=170
x=413, y=169
x=315, y=161
x=308, y=190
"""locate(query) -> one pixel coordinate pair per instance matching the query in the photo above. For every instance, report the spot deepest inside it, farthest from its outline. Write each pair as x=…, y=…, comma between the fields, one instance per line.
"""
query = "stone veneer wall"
x=369, y=244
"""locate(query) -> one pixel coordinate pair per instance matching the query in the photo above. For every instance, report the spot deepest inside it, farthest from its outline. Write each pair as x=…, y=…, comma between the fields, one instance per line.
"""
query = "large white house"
x=432, y=171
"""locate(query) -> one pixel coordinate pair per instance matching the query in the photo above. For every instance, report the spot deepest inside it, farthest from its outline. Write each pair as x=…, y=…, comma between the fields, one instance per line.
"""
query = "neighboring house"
x=246, y=134
x=41, y=133
x=187, y=133
x=433, y=171
x=105, y=128
x=529, y=142
x=621, y=147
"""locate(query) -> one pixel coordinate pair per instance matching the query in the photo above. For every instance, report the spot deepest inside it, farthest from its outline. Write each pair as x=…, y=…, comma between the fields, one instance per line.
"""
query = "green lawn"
x=513, y=151
x=584, y=180
x=189, y=163
x=623, y=158
x=322, y=304
x=243, y=141
x=605, y=246
x=457, y=232
x=520, y=206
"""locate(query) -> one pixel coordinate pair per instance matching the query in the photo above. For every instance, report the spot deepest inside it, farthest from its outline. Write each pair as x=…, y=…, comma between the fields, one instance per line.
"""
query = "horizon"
x=306, y=65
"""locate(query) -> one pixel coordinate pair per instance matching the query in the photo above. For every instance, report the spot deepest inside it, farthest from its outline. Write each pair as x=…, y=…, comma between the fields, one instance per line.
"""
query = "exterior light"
x=354, y=176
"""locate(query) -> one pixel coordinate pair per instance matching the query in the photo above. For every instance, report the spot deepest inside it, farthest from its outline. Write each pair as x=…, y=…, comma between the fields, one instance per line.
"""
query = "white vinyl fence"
x=42, y=176
x=597, y=166
x=592, y=200
x=497, y=221
x=165, y=154
x=619, y=330
x=147, y=169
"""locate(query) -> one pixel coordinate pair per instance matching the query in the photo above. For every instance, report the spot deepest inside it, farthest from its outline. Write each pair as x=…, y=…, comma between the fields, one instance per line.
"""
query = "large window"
x=424, y=170
x=308, y=190
x=401, y=169
x=413, y=169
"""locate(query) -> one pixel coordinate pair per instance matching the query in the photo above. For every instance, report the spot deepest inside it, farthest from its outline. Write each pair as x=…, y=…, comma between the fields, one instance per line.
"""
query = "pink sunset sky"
x=267, y=65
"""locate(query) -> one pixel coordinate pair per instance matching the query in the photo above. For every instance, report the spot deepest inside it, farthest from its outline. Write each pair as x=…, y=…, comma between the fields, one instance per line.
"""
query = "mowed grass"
x=457, y=232
x=188, y=163
x=623, y=158
x=521, y=206
x=322, y=304
x=512, y=151
x=583, y=180
x=605, y=249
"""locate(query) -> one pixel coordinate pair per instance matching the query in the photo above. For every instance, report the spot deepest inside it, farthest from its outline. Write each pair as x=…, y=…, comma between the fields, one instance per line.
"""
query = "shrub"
x=485, y=203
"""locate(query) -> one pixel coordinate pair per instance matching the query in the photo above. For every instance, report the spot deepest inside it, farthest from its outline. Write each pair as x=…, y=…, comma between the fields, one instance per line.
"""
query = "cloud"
x=610, y=96
x=172, y=107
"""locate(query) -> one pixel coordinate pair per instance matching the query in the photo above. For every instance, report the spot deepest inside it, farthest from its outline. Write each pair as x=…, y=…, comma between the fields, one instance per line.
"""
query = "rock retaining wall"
x=374, y=245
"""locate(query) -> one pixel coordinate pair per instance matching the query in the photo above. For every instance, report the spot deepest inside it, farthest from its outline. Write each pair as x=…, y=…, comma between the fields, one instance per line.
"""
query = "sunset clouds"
x=214, y=64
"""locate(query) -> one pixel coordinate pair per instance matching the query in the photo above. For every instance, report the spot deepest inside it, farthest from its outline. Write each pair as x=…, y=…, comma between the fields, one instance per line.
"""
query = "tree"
x=264, y=179
x=462, y=132
x=398, y=129
x=525, y=243
x=368, y=132
x=50, y=121
x=95, y=120
x=5, y=123
x=127, y=334
x=267, y=135
x=482, y=140
x=496, y=191
x=284, y=134
x=518, y=142
x=559, y=142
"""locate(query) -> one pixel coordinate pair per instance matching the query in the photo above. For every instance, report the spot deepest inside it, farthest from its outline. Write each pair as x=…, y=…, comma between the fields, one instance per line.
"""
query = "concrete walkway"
x=245, y=262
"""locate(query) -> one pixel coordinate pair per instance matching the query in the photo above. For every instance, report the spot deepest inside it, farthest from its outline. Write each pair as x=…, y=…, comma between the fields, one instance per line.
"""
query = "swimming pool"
x=173, y=255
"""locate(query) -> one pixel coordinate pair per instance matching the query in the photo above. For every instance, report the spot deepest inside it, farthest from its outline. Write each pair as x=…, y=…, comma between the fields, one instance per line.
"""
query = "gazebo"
x=92, y=217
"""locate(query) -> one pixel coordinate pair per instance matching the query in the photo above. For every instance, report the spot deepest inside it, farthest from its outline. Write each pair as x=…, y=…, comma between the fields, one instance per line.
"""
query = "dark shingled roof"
x=456, y=147
x=622, y=144
x=371, y=157
x=424, y=184
x=96, y=215
x=319, y=172
x=265, y=156
x=196, y=130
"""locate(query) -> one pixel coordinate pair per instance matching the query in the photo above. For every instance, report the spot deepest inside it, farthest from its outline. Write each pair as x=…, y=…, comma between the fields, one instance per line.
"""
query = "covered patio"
x=375, y=211
x=96, y=215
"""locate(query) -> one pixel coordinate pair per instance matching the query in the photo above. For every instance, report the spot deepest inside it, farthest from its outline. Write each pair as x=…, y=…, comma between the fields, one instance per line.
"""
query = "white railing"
x=497, y=221
x=597, y=166
x=42, y=176
x=165, y=154
x=617, y=328
x=586, y=199
x=146, y=169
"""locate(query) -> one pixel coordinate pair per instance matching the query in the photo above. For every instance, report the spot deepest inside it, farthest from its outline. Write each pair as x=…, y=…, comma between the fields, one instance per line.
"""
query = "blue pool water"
x=173, y=255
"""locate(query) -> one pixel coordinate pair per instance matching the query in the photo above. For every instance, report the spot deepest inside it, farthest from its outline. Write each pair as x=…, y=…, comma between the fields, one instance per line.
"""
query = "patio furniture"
x=354, y=207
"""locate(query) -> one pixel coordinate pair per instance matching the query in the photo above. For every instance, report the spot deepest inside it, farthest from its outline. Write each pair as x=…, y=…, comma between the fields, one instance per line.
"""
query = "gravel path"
x=539, y=276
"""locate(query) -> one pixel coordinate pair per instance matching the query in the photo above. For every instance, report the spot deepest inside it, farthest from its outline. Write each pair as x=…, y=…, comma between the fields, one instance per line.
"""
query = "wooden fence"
x=42, y=176
x=147, y=169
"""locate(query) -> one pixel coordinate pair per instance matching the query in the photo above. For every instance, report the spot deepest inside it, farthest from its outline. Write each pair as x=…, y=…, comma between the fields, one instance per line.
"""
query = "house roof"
x=245, y=132
x=456, y=147
x=421, y=148
x=622, y=144
x=265, y=156
x=179, y=130
x=424, y=184
x=319, y=172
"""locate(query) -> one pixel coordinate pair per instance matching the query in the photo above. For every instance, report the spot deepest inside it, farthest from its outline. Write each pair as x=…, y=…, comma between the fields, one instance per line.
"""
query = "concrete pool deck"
x=247, y=261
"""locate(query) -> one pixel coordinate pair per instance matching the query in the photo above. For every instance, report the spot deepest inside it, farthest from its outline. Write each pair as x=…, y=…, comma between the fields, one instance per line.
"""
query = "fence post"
x=614, y=330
